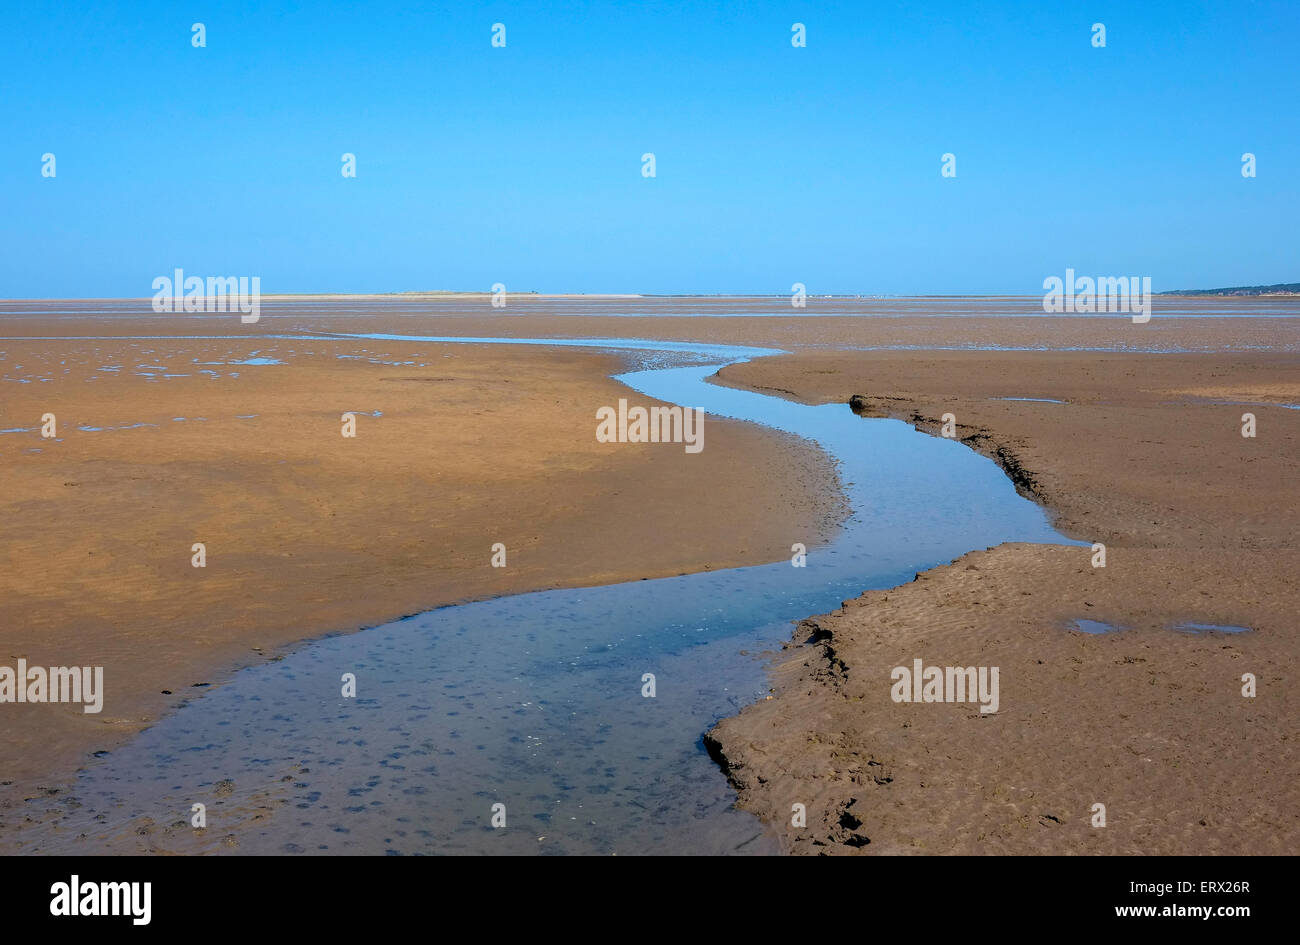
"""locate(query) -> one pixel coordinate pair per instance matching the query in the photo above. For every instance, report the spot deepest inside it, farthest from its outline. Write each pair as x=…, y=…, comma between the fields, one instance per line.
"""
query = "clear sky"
x=522, y=164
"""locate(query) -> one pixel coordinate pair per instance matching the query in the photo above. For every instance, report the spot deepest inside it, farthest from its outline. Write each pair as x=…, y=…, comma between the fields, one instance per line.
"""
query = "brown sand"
x=309, y=533
x=304, y=540
x=1199, y=524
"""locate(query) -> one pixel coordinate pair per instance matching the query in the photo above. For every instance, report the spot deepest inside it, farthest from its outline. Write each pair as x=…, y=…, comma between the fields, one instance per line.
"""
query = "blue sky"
x=522, y=165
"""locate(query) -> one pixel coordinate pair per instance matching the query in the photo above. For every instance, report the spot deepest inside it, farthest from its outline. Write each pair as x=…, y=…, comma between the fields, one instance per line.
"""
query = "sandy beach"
x=646, y=431
x=308, y=533
x=1143, y=454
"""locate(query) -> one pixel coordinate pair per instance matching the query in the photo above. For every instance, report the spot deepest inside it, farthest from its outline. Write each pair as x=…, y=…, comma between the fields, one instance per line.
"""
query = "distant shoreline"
x=1284, y=291
x=1278, y=290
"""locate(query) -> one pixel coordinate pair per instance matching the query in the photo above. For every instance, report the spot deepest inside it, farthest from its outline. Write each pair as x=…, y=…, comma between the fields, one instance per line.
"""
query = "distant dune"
x=1282, y=288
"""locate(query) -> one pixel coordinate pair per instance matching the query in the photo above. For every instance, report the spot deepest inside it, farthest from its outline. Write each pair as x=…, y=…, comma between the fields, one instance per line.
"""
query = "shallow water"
x=651, y=353
x=1100, y=627
x=1210, y=628
x=535, y=700
x=1093, y=626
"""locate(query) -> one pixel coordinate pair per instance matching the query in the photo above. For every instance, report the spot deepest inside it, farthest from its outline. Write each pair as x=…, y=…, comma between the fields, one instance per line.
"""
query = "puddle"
x=129, y=426
x=1210, y=628
x=1098, y=627
x=535, y=700
x=254, y=358
x=1093, y=626
x=1251, y=403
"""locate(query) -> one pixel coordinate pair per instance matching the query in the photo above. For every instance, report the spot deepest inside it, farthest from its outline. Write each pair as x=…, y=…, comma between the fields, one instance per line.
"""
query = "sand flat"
x=308, y=533
x=1199, y=525
x=305, y=540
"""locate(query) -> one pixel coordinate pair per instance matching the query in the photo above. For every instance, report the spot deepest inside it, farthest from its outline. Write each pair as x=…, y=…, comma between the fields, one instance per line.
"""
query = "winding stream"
x=535, y=700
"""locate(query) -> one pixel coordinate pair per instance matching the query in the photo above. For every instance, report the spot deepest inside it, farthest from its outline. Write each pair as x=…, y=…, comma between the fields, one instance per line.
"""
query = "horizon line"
x=1229, y=291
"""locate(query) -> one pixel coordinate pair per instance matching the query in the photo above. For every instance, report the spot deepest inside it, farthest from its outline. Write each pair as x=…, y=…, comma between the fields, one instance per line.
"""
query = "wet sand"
x=308, y=533
x=1199, y=525
x=306, y=538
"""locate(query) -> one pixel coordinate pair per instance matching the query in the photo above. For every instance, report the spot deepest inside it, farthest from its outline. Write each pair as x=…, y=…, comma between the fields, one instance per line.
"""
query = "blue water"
x=1100, y=627
x=1093, y=626
x=535, y=700
x=1211, y=628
